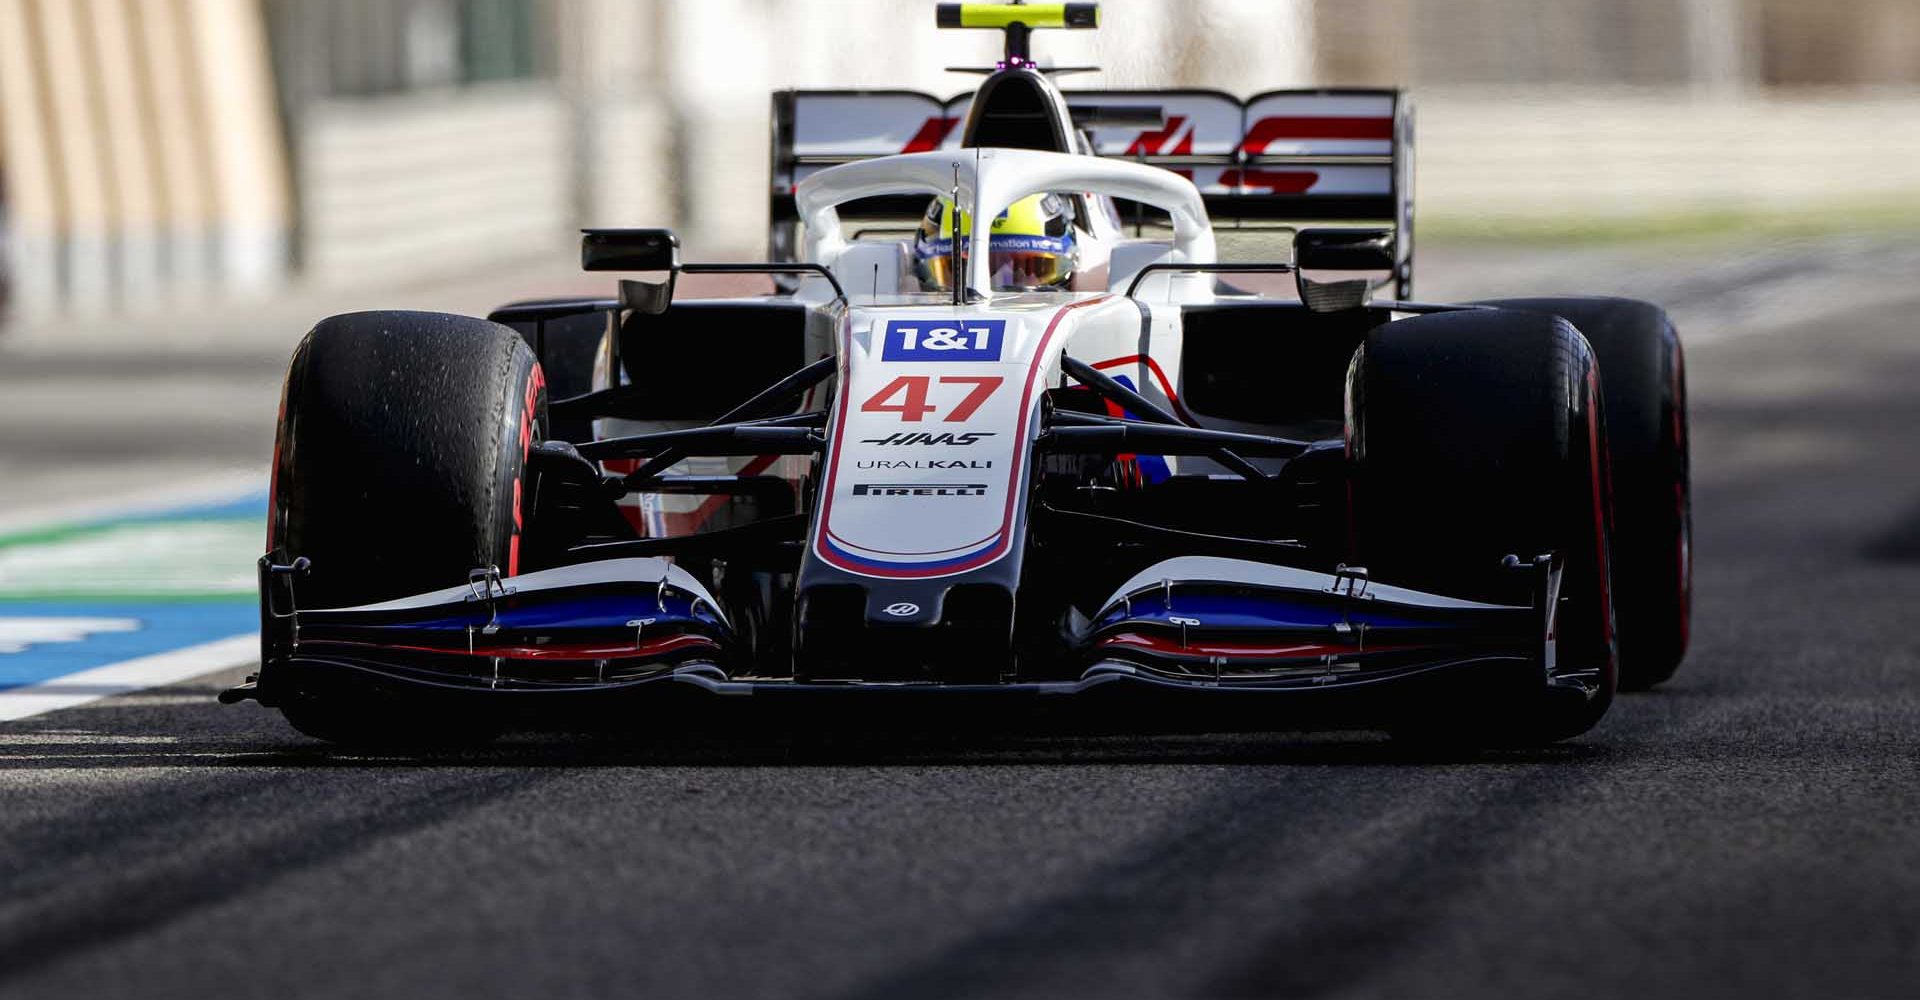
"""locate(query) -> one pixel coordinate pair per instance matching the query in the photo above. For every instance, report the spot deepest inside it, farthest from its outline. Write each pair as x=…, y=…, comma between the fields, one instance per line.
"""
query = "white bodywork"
x=650, y=570
x=929, y=455
x=971, y=383
x=930, y=506
x=1218, y=570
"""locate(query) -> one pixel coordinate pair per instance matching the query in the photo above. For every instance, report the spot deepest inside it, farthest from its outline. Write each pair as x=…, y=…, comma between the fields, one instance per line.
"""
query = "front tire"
x=1643, y=377
x=400, y=467
x=1472, y=436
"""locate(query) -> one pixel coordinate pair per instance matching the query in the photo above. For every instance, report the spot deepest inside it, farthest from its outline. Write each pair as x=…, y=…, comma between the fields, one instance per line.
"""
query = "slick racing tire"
x=1643, y=377
x=1472, y=436
x=400, y=467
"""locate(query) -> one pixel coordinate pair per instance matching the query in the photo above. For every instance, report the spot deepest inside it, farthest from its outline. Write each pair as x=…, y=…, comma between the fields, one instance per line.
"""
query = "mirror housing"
x=635, y=250
x=629, y=250
x=1338, y=269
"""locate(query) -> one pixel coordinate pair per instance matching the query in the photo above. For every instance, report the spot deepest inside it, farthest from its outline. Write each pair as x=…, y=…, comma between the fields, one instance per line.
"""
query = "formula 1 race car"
x=997, y=457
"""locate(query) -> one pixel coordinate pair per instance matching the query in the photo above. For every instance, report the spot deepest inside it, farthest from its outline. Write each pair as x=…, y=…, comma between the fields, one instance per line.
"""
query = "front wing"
x=1189, y=644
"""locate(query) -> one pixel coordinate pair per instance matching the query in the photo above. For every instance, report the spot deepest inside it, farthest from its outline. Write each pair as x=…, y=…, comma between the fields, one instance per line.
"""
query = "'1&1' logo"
x=943, y=340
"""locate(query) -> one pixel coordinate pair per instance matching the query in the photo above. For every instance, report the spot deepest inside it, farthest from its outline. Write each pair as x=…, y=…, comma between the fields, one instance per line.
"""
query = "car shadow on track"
x=182, y=727
x=1900, y=543
x=66, y=750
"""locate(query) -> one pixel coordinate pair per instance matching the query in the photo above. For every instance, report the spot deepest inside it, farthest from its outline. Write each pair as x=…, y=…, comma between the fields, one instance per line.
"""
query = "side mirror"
x=629, y=250
x=1337, y=269
x=635, y=250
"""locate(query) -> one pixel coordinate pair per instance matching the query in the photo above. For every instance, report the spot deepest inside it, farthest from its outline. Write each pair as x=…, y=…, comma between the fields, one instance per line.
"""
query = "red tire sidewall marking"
x=529, y=409
x=1599, y=473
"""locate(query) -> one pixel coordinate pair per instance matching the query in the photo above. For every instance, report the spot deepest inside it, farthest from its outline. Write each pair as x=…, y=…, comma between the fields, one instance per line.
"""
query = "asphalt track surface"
x=1752, y=829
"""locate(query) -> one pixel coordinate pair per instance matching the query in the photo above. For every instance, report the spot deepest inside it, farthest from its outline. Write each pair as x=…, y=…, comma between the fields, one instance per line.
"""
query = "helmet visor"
x=1015, y=262
x=1026, y=262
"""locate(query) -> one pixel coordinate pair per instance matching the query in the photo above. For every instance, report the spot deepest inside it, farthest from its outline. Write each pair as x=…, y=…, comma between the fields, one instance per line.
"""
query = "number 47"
x=914, y=388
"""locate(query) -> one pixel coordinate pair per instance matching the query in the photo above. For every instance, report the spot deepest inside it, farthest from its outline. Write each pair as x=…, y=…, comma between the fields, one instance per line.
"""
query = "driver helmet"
x=1031, y=245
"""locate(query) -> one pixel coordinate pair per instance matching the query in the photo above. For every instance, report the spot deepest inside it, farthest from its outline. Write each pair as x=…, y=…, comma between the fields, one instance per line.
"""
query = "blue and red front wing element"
x=1190, y=644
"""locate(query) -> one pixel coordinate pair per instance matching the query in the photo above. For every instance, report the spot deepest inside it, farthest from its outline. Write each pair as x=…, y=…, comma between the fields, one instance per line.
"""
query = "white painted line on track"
x=128, y=675
x=195, y=492
x=16, y=633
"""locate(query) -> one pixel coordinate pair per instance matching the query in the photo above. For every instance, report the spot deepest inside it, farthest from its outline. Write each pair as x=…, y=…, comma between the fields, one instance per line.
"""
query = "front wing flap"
x=1190, y=644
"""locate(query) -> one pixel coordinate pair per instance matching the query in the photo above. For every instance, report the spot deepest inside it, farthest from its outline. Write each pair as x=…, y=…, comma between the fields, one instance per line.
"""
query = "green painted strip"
x=189, y=559
x=56, y=533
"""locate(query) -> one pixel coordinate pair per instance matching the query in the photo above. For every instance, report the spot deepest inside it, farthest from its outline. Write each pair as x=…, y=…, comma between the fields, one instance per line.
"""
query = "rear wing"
x=1284, y=156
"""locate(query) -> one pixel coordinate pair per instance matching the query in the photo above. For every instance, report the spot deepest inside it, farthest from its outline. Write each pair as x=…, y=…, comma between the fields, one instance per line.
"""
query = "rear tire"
x=1472, y=436
x=1643, y=377
x=400, y=466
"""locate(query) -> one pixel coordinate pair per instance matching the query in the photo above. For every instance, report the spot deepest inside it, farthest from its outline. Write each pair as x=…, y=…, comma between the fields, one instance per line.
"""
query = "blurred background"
x=160, y=157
